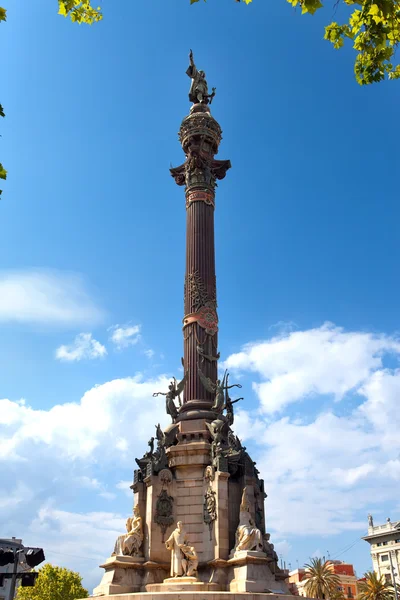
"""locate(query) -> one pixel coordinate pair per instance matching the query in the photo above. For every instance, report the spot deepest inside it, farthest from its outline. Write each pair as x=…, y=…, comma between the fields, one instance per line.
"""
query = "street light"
x=33, y=557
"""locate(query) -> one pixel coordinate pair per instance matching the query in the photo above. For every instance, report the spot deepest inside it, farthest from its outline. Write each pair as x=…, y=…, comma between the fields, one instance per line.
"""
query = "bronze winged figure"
x=174, y=391
x=218, y=388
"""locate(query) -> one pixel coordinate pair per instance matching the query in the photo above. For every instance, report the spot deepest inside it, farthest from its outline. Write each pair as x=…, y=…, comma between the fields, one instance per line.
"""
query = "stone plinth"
x=182, y=584
x=252, y=574
x=126, y=574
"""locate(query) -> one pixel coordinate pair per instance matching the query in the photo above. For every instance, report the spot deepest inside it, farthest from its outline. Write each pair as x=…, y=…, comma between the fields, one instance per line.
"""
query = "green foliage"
x=375, y=588
x=321, y=581
x=54, y=583
x=373, y=27
x=80, y=11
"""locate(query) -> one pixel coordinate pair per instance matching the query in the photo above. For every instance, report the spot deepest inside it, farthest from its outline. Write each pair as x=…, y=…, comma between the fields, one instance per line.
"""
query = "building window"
x=388, y=578
x=384, y=557
x=349, y=592
x=379, y=544
x=385, y=543
x=397, y=541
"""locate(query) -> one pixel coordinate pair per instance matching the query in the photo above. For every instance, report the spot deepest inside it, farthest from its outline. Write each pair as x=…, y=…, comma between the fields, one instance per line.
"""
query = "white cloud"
x=124, y=486
x=124, y=336
x=149, y=353
x=108, y=495
x=83, y=347
x=46, y=297
x=299, y=364
x=79, y=541
x=86, y=429
x=67, y=455
x=324, y=474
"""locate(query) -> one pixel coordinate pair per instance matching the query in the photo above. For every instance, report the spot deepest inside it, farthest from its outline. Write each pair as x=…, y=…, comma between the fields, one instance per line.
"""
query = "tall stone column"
x=200, y=135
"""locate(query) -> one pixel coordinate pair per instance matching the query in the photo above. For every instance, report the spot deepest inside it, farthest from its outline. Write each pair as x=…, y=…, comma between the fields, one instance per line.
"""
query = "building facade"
x=384, y=541
x=344, y=571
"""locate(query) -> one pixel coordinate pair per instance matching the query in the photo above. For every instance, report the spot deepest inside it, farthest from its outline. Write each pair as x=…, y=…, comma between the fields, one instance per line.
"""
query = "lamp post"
x=11, y=592
x=9, y=554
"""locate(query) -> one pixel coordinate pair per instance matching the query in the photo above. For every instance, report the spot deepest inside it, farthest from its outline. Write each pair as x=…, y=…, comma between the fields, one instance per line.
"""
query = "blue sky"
x=92, y=239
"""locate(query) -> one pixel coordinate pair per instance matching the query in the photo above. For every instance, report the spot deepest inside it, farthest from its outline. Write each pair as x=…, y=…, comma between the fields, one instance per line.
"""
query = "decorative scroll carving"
x=206, y=317
x=200, y=170
x=220, y=167
x=209, y=474
x=204, y=304
x=165, y=476
x=201, y=125
x=197, y=290
x=164, y=510
x=210, y=509
x=178, y=173
x=200, y=196
x=210, y=506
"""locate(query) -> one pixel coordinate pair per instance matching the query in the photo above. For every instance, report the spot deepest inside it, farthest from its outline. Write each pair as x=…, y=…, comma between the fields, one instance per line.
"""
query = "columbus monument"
x=198, y=523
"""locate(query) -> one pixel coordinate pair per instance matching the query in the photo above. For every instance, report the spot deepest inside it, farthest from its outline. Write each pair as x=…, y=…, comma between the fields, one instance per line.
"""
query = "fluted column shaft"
x=200, y=135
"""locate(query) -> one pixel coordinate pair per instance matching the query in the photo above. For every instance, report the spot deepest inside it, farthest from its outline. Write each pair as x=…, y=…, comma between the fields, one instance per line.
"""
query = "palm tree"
x=375, y=588
x=336, y=594
x=321, y=581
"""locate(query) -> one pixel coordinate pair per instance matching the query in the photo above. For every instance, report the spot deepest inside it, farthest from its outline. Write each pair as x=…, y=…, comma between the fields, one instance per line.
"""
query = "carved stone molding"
x=201, y=125
x=165, y=477
x=164, y=511
x=200, y=196
x=209, y=474
x=210, y=506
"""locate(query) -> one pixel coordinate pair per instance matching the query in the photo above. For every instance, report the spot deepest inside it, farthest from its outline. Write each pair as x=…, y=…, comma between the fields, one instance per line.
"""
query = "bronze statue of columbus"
x=198, y=93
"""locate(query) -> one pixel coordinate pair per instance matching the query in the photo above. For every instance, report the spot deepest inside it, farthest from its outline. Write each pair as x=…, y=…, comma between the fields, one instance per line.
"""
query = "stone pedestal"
x=182, y=584
x=251, y=573
x=125, y=574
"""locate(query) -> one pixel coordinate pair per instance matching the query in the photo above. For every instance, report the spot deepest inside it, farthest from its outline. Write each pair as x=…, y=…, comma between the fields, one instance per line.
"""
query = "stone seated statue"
x=248, y=537
x=184, y=560
x=129, y=543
